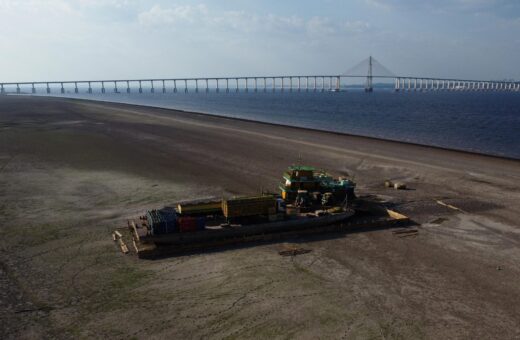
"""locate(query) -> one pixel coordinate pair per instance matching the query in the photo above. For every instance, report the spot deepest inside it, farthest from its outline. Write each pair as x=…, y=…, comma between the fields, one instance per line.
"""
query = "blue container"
x=163, y=221
x=169, y=217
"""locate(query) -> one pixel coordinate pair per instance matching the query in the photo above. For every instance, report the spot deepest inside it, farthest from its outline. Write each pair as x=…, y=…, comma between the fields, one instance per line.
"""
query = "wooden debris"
x=122, y=245
x=294, y=251
x=405, y=232
x=449, y=206
x=399, y=186
x=118, y=234
x=406, y=235
x=133, y=229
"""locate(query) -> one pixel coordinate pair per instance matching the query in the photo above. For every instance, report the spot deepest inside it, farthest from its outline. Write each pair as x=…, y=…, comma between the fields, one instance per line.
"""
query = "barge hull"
x=156, y=249
x=249, y=230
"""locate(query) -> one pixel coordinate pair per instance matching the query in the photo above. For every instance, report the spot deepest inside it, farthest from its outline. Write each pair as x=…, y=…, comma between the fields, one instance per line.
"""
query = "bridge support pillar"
x=2, y=90
x=102, y=87
x=49, y=89
x=163, y=87
x=396, y=84
x=115, y=87
x=282, y=89
x=338, y=83
x=174, y=86
x=322, y=84
x=274, y=84
x=207, y=85
x=185, y=86
x=62, y=90
x=140, y=87
x=127, y=86
x=236, y=90
x=265, y=84
x=33, y=89
x=247, y=88
x=18, y=88
x=217, y=89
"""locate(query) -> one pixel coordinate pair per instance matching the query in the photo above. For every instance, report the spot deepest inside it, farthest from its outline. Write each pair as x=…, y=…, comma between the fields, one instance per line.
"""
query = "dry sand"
x=71, y=171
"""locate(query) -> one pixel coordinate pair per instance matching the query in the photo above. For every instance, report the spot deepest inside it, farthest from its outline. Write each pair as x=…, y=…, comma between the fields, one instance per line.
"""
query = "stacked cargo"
x=163, y=221
x=249, y=206
x=190, y=224
x=200, y=208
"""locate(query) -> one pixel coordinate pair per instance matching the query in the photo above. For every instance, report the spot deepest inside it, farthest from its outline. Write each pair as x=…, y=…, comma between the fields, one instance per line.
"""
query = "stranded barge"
x=310, y=201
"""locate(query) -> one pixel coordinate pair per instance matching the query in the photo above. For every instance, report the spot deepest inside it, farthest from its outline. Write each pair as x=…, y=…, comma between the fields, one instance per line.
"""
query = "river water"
x=484, y=122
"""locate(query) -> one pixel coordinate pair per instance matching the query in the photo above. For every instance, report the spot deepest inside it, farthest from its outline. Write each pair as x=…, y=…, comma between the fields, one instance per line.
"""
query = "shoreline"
x=346, y=134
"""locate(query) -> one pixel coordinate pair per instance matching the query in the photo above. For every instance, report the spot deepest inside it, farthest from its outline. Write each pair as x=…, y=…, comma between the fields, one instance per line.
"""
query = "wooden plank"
x=134, y=231
x=122, y=245
x=449, y=206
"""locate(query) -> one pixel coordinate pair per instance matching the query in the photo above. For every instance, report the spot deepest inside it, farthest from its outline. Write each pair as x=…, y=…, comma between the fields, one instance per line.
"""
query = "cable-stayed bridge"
x=366, y=71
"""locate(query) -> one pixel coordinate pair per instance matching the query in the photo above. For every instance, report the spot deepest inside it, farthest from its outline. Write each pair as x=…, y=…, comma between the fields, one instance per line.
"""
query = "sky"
x=122, y=39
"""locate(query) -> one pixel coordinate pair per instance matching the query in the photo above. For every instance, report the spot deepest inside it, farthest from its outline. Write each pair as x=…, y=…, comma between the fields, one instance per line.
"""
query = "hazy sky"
x=107, y=39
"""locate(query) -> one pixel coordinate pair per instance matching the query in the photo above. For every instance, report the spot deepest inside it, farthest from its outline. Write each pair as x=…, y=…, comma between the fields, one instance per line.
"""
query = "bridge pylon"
x=369, y=84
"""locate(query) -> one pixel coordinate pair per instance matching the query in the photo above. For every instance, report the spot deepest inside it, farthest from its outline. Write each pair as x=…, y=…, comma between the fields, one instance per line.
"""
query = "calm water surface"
x=485, y=122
